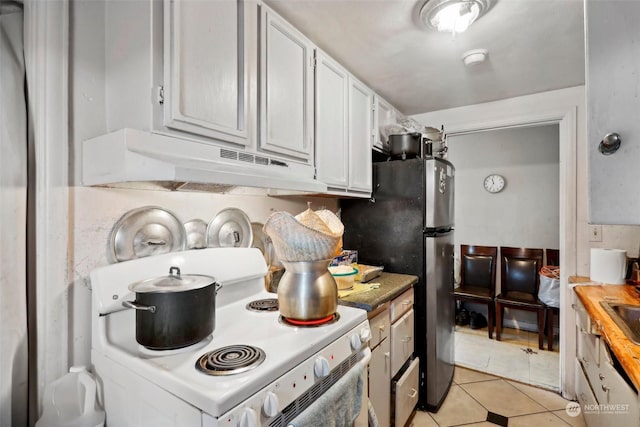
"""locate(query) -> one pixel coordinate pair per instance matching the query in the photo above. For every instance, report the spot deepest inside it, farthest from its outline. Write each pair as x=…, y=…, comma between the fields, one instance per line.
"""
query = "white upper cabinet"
x=613, y=82
x=206, y=69
x=332, y=127
x=286, y=88
x=360, y=135
x=344, y=129
x=181, y=99
x=384, y=115
x=182, y=68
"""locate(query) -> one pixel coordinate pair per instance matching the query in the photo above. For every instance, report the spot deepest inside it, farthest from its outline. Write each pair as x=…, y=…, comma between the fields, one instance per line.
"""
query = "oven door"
x=344, y=400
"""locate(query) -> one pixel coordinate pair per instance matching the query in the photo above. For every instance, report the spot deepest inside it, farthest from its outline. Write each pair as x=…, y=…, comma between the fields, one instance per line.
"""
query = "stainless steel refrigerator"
x=407, y=226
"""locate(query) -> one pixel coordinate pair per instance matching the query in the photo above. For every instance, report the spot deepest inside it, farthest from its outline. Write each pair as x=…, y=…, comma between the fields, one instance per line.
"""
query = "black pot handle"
x=174, y=271
x=137, y=306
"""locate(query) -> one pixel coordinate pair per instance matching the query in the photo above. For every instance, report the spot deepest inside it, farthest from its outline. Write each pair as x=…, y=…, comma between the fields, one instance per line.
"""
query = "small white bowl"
x=344, y=276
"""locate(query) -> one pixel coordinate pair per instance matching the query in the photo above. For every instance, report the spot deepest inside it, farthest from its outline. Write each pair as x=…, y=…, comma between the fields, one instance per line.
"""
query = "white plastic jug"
x=70, y=401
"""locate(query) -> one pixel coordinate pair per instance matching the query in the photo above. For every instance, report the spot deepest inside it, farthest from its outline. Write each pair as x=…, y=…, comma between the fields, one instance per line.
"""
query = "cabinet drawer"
x=586, y=397
x=583, y=320
x=401, y=341
x=611, y=388
x=588, y=347
x=401, y=304
x=379, y=328
x=405, y=395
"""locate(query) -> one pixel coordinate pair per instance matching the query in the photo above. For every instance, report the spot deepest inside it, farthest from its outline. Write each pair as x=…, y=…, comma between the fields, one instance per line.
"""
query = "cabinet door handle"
x=387, y=355
x=601, y=377
x=575, y=307
x=406, y=302
x=413, y=393
x=605, y=388
x=405, y=339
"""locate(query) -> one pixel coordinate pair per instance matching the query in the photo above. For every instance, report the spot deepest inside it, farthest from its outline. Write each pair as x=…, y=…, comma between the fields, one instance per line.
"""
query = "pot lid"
x=174, y=282
x=145, y=231
x=196, y=230
x=231, y=227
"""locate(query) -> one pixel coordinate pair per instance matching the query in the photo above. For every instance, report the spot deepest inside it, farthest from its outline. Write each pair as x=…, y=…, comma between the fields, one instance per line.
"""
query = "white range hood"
x=138, y=159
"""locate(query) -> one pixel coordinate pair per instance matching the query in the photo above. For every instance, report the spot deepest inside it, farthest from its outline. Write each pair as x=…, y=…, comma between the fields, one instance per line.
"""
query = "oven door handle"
x=366, y=357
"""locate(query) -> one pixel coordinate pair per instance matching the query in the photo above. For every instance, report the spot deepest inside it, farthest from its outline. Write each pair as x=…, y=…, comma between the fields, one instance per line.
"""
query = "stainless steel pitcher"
x=307, y=291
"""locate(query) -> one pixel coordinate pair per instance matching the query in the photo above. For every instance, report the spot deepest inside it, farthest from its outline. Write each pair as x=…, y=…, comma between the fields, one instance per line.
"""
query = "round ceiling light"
x=453, y=16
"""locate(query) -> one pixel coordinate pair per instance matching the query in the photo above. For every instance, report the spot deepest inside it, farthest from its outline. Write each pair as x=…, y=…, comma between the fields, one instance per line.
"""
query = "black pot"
x=405, y=146
x=174, y=311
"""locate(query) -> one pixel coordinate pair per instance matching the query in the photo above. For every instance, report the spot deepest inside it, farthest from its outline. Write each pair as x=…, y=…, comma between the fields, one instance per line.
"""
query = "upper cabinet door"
x=206, y=72
x=332, y=138
x=286, y=76
x=613, y=83
x=385, y=115
x=360, y=135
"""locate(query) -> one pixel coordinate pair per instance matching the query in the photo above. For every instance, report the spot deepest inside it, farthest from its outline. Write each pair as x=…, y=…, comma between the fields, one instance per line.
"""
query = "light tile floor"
x=476, y=397
x=515, y=357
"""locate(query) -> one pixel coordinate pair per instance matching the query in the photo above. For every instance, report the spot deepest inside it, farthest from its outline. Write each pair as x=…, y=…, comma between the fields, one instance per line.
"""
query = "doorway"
x=525, y=213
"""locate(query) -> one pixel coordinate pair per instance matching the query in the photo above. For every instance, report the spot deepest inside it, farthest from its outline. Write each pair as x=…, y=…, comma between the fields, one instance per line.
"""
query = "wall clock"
x=494, y=183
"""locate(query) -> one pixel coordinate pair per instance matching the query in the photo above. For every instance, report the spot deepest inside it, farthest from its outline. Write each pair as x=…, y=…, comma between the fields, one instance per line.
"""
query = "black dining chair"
x=519, y=284
x=553, y=259
x=478, y=278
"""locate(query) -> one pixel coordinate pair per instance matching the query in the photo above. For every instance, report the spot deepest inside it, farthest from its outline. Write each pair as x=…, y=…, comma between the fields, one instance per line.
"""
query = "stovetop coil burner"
x=310, y=323
x=230, y=360
x=267, y=304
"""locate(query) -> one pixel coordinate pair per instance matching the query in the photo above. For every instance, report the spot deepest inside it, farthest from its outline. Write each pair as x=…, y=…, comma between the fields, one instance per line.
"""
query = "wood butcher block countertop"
x=391, y=285
x=627, y=353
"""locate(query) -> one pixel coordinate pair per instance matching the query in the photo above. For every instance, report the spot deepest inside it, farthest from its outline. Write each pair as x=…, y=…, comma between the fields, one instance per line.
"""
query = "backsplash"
x=625, y=237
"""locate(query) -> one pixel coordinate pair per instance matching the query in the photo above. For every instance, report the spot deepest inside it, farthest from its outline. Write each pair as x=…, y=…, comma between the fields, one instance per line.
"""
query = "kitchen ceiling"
x=534, y=46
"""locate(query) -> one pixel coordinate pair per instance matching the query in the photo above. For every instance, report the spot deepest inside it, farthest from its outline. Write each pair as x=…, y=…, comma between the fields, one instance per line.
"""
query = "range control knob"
x=248, y=418
x=365, y=335
x=321, y=367
x=270, y=405
x=356, y=342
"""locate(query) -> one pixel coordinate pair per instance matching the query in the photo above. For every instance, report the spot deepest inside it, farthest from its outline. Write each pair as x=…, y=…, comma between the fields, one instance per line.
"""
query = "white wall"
x=526, y=212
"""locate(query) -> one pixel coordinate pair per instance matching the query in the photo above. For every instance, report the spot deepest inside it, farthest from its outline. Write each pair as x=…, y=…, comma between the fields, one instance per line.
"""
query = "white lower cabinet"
x=586, y=398
x=605, y=397
x=380, y=368
x=392, y=346
x=405, y=393
x=401, y=342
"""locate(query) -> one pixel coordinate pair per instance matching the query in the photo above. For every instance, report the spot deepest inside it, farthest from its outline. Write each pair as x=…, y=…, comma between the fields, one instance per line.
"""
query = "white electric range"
x=288, y=366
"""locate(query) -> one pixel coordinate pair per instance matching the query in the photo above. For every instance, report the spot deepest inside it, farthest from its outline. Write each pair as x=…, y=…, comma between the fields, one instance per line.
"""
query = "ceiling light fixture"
x=453, y=16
